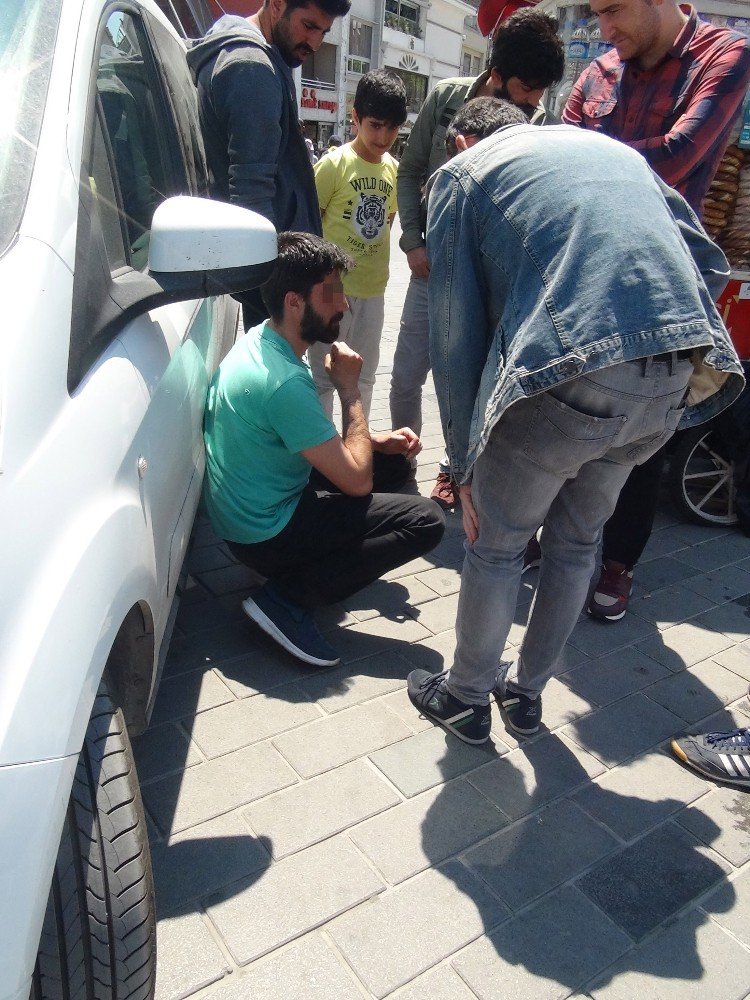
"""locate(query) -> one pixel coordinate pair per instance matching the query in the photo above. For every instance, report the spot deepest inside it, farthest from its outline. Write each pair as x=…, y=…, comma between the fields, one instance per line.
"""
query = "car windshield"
x=28, y=29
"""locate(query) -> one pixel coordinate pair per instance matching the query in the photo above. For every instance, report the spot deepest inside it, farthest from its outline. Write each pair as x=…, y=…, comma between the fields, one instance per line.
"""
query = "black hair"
x=381, y=95
x=481, y=117
x=333, y=8
x=303, y=260
x=528, y=46
x=335, y=140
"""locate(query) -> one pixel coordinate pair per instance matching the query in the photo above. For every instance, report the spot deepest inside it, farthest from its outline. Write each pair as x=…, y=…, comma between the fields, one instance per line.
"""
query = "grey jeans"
x=411, y=362
x=559, y=458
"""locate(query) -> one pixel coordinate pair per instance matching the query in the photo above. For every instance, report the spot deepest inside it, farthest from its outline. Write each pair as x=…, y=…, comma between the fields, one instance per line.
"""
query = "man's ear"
x=294, y=304
x=496, y=79
x=461, y=143
x=277, y=8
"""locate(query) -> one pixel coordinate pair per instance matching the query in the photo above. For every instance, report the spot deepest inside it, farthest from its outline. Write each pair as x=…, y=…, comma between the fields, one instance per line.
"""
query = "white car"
x=112, y=274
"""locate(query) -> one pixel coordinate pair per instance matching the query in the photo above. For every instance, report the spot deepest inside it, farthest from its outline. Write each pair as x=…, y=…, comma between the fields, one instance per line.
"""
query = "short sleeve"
x=296, y=414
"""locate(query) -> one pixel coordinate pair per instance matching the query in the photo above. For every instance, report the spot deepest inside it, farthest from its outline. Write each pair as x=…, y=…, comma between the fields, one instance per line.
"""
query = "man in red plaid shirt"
x=670, y=87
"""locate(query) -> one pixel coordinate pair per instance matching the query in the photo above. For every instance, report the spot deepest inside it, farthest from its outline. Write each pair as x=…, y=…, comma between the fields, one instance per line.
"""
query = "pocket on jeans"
x=561, y=438
x=642, y=450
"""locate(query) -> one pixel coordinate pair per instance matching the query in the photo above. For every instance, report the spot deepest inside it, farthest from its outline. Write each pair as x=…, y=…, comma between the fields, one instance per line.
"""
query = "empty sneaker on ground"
x=290, y=625
x=523, y=714
x=722, y=756
x=609, y=602
x=445, y=491
x=428, y=694
x=532, y=557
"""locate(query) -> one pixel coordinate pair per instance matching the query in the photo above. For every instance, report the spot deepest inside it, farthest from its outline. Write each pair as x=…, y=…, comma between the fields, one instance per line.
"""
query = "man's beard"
x=315, y=330
x=281, y=38
x=502, y=92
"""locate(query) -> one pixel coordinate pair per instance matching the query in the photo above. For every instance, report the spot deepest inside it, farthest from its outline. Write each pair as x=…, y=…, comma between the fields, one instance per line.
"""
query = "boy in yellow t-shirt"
x=357, y=192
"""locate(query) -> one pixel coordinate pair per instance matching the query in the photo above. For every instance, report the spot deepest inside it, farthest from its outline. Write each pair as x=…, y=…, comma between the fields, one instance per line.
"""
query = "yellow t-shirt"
x=356, y=200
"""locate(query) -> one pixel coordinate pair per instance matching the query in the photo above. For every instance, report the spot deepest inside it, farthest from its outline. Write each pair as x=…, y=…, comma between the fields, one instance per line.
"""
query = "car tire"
x=702, y=478
x=99, y=934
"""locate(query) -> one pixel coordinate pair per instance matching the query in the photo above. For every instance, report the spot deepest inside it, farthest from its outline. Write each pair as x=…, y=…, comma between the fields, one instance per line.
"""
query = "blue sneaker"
x=427, y=693
x=721, y=756
x=289, y=625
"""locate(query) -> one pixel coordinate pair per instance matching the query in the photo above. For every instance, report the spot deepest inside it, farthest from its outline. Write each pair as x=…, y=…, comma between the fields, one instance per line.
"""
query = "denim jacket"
x=558, y=251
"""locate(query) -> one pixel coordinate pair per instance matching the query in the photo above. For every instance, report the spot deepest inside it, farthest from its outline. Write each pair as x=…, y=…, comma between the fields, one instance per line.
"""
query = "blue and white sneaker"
x=290, y=625
x=721, y=756
x=428, y=694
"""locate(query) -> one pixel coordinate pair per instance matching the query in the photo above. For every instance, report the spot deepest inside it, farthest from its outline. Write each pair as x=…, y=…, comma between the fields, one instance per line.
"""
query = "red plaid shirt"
x=678, y=114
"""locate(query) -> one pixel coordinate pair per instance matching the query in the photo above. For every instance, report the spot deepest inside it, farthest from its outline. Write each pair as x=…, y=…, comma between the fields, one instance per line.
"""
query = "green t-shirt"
x=262, y=411
x=356, y=199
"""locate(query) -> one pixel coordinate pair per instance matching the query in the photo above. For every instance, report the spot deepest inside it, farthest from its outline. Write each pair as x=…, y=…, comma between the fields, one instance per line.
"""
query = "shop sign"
x=310, y=99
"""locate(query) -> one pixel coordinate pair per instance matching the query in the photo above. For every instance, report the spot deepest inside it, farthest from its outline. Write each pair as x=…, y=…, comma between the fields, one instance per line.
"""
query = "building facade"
x=423, y=41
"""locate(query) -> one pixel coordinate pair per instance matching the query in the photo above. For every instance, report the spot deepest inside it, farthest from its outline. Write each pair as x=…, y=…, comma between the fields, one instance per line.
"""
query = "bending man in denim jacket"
x=572, y=328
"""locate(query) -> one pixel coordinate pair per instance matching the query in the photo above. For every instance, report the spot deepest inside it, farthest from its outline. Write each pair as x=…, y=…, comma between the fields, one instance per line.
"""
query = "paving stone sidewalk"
x=313, y=838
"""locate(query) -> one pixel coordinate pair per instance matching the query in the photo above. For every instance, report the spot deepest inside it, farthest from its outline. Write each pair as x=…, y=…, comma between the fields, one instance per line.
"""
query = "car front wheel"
x=99, y=934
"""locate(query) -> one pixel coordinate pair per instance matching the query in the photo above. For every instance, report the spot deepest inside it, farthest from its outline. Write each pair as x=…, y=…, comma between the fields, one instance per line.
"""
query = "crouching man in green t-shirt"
x=315, y=541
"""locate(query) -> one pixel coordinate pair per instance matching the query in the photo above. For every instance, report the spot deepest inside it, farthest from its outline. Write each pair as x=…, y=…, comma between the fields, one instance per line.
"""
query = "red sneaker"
x=445, y=491
x=609, y=601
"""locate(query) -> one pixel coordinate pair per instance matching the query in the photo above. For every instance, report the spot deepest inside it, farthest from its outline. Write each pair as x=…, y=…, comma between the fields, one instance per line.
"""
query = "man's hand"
x=343, y=366
x=418, y=263
x=470, y=516
x=401, y=442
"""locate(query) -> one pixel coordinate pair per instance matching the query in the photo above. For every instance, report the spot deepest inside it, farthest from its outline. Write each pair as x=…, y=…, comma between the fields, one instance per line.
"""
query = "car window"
x=136, y=129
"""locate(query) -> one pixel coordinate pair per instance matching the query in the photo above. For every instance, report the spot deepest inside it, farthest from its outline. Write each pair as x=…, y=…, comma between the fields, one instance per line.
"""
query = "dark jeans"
x=629, y=529
x=336, y=544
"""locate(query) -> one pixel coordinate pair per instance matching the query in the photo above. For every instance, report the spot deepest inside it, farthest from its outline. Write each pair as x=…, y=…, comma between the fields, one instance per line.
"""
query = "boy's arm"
x=325, y=181
x=412, y=173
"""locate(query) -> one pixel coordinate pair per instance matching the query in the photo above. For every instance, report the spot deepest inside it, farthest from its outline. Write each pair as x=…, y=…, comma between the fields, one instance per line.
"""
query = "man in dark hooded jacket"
x=249, y=117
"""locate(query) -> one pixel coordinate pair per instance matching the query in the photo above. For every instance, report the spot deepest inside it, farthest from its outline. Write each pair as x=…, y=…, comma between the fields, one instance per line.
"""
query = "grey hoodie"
x=250, y=123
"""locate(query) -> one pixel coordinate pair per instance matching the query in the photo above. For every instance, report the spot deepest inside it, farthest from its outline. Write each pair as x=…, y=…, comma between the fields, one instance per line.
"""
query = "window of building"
x=471, y=64
x=360, y=46
x=403, y=17
x=416, y=88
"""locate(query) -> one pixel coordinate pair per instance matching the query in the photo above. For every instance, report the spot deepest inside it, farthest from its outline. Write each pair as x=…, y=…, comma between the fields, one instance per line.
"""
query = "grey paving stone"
x=729, y=906
x=698, y=692
x=734, y=717
x=424, y=831
x=376, y=636
x=732, y=618
x=352, y=684
x=722, y=585
x=683, y=645
x=206, y=649
x=660, y=573
x=209, y=557
x=264, y=668
x=399, y=704
x=431, y=758
x=614, y=676
x=637, y=796
x=189, y=957
x=203, y=859
x=562, y=704
x=420, y=565
x=721, y=819
x=212, y=614
x=529, y=778
x=645, y=884
x=234, y=578
x=437, y=615
x=337, y=739
x=307, y=969
x=669, y=606
x=735, y=658
x=597, y=638
x=545, y=952
x=389, y=598
x=162, y=749
x=539, y=853
x=664, y=543
x=208, y=790
x=188, y=694
x=314, y=810
x=715, y=553
x=619, y=731
x=441, y=983
x=441, y=911
x=292, y=897
x=450, y=552
x=691, y=960
x=444, y=580
x=251, y=720
x=434, y=654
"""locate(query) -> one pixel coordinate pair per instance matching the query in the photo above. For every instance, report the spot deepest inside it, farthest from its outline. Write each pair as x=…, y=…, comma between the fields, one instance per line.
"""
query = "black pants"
x=336, y=544
x=629, y=529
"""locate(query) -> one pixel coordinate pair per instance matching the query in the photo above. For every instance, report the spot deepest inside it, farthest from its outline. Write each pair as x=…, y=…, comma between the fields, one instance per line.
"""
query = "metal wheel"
x=703, y=480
